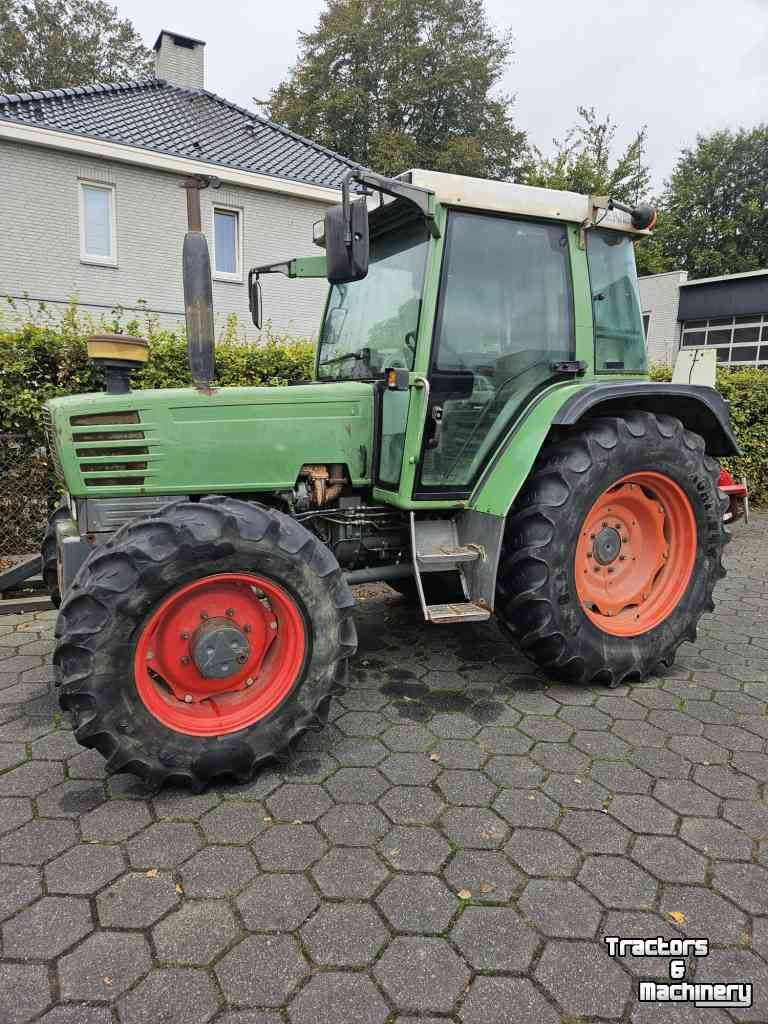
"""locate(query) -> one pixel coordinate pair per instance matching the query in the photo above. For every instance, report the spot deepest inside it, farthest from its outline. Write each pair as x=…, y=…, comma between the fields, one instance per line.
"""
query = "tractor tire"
x=612, y=549
x=49, y=555
x=201, y=641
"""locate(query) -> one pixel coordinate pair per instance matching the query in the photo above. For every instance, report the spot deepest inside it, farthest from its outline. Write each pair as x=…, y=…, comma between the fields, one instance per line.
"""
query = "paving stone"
x=31, y=778
x=414, y=849
x=745, y=884
x=752, y=764
x=84, y=869
x=19, y=885
x=620, y=707
x=466, y=787
x=725, y=782
x=136, y=900
x=495, y=939
x=233, y=821
x=413, y=805
x=165, y=844
x=669, y=859
x=333, y=996
x=486, y=874
x=594, y=832
x=407, y=738
x=262, y=970
x=422, y=974
x=526, y=808
x=24, y=992
x=515, y=772
x=717, y=838
x=560, y=909
x=114, y=821
x=47, y=928
x=251, y=1017
x=541, y=852
x=643, y=814
x=56, y=746
x=294, y=802
x=685, y=797
x=489, y=999
x=410, y=769
x=417, y=903
x=362, y=723
x=353, y=751
x=474, y=828
x=350, y=873
x=103, y=966
x=38, y=841
x=600, y=744
x=218, y=871
x=456, y=726
x=494, y=740
x=173, y=995
x=288, y=847
x=79, y=1014
x=621, y=778
x=196, y=933
x=583, y=979
x=546, y=727
x=749, y=815
x=748, y=736
x=354, y=825
x=741, y=965
x=71, y=799
x=618, y=883
x=559, y=757
x=661, y=764
x=14, y=811
x=277, y=903
x=357, y=785
x=88, y=764
x=575, y=791
x=11, y=755
x=344, y=934
x=706, y=913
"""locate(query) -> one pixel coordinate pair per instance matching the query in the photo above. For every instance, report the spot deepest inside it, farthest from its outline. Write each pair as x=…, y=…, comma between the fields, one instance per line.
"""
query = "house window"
x=98, y=239
x=646, y=324
x=227, y=244
x=738, y=341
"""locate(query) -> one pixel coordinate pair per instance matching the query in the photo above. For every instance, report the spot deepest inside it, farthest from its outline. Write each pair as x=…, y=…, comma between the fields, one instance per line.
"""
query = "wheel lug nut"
x=610, y=569
x=625, y=540
x=204, y=615
x=241, y=659
x=188, y=698
x=273, y=624
x=185, y=635
x=231, y=612
x=622, y=558
x=604, y=524
x=185, y=660
x=591, y=536
x=247, y=627
x=589, y=554
x=249, y=681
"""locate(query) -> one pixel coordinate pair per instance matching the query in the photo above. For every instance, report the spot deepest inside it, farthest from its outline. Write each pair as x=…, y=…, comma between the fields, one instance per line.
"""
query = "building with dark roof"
x=95, y=208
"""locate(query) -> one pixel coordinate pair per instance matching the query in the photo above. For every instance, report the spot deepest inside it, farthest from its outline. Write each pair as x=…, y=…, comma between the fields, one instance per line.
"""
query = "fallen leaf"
x=266, y=818
x=296, y=821
x=577, y=780
x=677, y=916
x=152, y=873
x=465, y=894
x=179, y=889
x=486, y=887
x=107, y=980
x=434, y=756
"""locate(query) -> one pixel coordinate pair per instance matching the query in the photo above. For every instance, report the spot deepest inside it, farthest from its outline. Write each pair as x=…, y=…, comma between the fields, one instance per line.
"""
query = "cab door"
x=504, y=323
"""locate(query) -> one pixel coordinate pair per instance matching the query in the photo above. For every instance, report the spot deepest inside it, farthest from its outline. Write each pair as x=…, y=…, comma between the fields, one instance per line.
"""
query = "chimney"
x=180, y=60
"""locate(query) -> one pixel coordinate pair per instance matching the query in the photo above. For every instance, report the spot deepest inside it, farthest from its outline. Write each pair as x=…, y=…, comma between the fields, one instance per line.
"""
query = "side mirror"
x=347, y=242
x=254, y=297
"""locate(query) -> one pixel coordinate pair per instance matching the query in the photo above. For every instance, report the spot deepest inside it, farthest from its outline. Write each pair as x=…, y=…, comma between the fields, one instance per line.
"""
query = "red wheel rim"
x=635, y=554
x=259, y=630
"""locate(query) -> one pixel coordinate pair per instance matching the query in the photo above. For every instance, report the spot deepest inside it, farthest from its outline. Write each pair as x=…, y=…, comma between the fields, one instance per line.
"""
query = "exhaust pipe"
x=198, y=308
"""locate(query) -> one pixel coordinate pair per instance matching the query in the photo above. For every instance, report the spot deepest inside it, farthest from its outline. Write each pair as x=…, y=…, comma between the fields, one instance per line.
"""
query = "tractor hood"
x=186, y=441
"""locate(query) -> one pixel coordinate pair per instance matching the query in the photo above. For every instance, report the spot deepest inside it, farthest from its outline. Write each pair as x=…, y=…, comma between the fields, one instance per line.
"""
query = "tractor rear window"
x=619, y=337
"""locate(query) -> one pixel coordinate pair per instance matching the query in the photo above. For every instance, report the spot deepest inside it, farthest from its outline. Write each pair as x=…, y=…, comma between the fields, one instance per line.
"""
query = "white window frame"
x=220, y=275
x=93, y=258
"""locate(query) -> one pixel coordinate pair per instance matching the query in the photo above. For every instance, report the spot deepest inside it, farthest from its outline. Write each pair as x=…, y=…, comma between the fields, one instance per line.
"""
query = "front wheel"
x=613, y=549
x=201, y=641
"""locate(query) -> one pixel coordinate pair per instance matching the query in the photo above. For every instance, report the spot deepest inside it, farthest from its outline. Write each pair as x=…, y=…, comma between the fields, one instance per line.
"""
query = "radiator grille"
x=50, y=441
x=110, y=455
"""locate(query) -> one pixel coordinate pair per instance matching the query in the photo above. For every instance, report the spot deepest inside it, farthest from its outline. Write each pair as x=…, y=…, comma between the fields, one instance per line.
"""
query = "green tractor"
x=481, y=434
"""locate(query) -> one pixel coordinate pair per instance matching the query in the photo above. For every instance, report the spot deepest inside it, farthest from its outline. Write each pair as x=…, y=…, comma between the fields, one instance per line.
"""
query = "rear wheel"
x=613, y=549
x=201, y=641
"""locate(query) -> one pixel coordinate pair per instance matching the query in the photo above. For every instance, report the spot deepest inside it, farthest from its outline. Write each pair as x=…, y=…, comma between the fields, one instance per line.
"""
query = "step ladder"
x=436, y=548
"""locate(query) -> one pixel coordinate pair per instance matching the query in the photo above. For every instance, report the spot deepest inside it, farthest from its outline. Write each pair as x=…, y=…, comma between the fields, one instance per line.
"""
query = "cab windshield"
x=371, y=324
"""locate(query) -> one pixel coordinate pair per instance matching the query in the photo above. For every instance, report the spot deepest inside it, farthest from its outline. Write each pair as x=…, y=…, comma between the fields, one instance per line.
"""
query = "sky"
x=681, y=67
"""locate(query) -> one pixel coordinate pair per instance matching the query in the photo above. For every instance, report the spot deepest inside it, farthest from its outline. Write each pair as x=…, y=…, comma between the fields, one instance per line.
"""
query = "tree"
x=49, y=44
x=582, y=161
x=394, y=84
x=715, y=205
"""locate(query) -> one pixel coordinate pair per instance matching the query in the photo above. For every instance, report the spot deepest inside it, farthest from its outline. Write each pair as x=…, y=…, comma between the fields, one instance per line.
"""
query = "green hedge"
x=747, y=393
x=41, y=361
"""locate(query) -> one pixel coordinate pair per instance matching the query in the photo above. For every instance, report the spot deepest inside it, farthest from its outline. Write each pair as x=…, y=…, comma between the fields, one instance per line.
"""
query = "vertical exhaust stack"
x=198, y=292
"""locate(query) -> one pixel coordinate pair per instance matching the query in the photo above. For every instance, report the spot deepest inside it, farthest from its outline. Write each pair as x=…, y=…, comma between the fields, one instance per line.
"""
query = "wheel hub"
x=607, y=546
x=219, y=649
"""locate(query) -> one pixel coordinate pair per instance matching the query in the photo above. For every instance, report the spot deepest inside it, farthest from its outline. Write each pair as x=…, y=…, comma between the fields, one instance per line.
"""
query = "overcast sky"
x=679, y=66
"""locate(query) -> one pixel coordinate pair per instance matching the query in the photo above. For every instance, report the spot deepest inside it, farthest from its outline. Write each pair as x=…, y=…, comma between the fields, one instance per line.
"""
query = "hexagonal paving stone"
x=115, y=821
x=487, y=875
x=357, y=785
x=495, y=939
x=669, y=859
x=103, y=966
x=617, y=882
x=526, y=808
x=332, y=997
x=467, y=787
x=344, y=934
x=234, y=821
x=24, y=992
x=743, y=965
x=594, y=832
x=414, y=849
x=559, y=757
x=560, y=909
x=136, y=900
x=745, y=884
x=417, y=903
x=38, y=841
x=14, y=811
x=661, y=764
x=294, y=802
x=354, y=825
x=489, y=1000
x=78, y=1015
x=84, y=869
x=411, y=805
x=31, y=778
x=583, y=979
x=540, y=852
x=165, y=844
x=717, y=838
x=349, y=873
x=277, y=903
x=575, y=791
x=474, y=828
x=621, y=778
x=172, y=995
x=422, y=974
x=288, y=847
x=19, y=885
x=262, y=970
x=749, y=815
x=640, y=923
x=47, y=928
x=195, y=933
x=705, y=913
x=218, y=871
x=409, y=769
x=726, y=782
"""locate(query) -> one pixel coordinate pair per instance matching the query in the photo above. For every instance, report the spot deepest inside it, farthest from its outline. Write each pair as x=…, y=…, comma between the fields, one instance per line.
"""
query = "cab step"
x=437, y=546
x=465, y=611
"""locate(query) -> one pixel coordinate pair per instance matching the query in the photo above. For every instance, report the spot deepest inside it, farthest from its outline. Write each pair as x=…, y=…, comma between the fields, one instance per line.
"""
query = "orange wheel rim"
x=635, y=554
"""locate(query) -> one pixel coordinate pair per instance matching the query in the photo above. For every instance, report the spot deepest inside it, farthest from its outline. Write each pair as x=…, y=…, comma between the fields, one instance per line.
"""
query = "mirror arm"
x=420, y=197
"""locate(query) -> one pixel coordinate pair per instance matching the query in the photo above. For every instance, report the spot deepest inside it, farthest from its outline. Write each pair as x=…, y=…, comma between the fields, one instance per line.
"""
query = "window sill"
x=98, y=261
x=230, y=278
